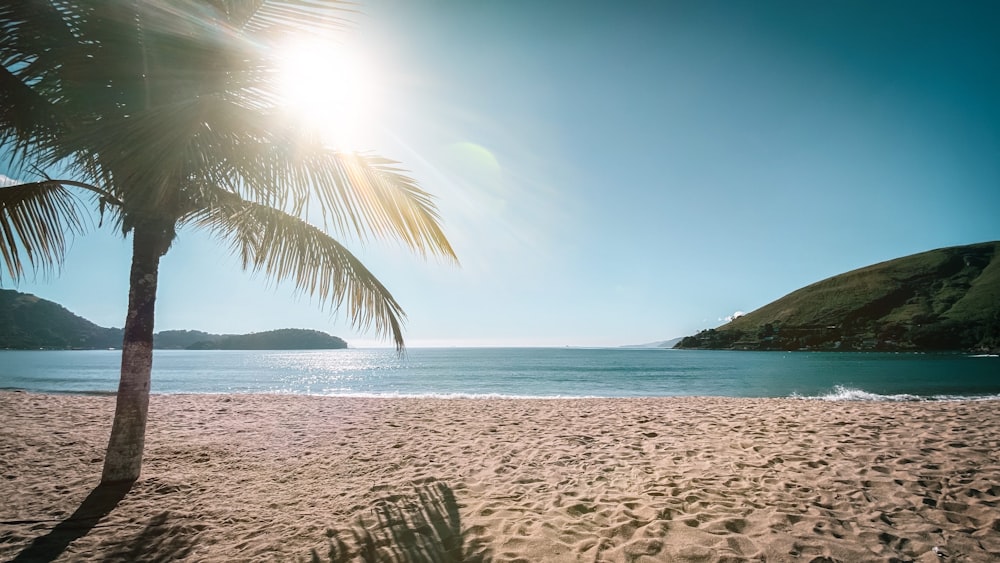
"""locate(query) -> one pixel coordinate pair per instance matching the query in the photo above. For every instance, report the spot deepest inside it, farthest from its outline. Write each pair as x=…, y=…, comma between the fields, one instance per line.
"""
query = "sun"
x=331, y=87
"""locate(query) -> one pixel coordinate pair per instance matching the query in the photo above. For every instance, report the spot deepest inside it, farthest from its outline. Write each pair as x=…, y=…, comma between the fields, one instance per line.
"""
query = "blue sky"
x=619, y=173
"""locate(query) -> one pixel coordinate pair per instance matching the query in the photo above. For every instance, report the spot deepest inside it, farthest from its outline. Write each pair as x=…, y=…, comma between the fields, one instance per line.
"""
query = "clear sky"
x=625, y=172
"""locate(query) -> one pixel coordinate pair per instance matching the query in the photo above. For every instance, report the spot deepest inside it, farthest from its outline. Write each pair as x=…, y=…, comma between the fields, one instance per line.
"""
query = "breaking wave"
x=842, y=393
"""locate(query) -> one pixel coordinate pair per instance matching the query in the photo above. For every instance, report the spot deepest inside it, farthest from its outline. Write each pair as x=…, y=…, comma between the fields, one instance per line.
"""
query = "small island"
x=282, y=339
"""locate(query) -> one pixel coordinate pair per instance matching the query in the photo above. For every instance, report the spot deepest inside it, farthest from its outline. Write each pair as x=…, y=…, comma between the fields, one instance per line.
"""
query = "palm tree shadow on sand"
x=420, y=528
x=161, y=541
x=98, y=504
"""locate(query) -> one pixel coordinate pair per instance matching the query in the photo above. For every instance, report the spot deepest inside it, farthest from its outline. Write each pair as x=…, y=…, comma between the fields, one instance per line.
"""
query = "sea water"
x=521, y=372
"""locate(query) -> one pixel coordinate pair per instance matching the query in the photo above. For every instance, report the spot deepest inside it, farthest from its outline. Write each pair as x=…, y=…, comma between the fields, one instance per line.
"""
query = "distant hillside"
x=28, y=322
x=283, y=339
x=945, y=299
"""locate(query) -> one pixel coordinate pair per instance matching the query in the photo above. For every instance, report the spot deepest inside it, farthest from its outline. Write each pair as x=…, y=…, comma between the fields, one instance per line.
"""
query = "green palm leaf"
x=284, y=247
x=360, y=194
x=34, y=221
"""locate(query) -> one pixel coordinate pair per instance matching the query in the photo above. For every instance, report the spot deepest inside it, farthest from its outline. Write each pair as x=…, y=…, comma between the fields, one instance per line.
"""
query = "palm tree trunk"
x=128, y=433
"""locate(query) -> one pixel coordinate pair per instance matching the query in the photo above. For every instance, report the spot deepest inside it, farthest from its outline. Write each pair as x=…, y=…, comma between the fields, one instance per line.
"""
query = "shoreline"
x=261, y=477
x=846, y=396
x=840, y=394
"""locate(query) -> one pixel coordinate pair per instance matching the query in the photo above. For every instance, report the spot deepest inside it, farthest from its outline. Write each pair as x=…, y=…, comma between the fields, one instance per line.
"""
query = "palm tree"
x=161, y=114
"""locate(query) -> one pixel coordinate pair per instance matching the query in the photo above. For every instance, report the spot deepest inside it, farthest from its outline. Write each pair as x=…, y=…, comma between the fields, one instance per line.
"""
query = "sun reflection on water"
x=331, y=371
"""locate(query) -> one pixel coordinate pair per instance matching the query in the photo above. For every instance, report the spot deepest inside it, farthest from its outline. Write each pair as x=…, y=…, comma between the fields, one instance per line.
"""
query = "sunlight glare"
x=331, y=87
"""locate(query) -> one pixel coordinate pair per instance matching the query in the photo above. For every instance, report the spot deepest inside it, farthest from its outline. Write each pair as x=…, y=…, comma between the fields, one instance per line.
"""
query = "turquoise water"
x=521, y=372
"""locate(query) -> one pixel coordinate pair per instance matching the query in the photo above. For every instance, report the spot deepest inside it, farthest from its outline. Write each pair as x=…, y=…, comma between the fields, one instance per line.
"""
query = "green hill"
x=282, y=339
x=28, y=322
x=945, y=299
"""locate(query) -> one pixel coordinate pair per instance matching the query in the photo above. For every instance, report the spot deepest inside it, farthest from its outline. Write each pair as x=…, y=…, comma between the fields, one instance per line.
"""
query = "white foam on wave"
x=842, y=393
x=435, y=395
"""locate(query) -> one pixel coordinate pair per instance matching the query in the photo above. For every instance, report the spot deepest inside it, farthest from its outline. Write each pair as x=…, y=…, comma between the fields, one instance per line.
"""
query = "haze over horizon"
x=629, y=173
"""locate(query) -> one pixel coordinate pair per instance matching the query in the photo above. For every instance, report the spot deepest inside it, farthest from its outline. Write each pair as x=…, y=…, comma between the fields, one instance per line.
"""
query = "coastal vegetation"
x=281, y=339
x=157, y=117
x=942, y=300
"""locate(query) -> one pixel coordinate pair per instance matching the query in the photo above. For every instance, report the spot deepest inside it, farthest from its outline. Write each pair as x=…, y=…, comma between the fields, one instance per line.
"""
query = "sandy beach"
x=293, y=478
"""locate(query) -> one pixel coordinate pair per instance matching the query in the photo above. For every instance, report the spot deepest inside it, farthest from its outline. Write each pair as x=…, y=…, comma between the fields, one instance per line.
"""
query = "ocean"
x=522, y=372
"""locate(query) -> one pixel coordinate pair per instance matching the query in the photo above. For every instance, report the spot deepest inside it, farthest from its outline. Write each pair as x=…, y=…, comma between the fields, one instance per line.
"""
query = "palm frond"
x=388, y=202
x=258, y=156
x=285, y=248
x=293, y=16
x=27, y=119
x=30, y=29
x=364, y=195
x=34, y=221
x=147, y=149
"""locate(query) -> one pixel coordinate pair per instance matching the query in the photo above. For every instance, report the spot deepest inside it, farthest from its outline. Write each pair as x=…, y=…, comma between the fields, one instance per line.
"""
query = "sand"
x=291, y=478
